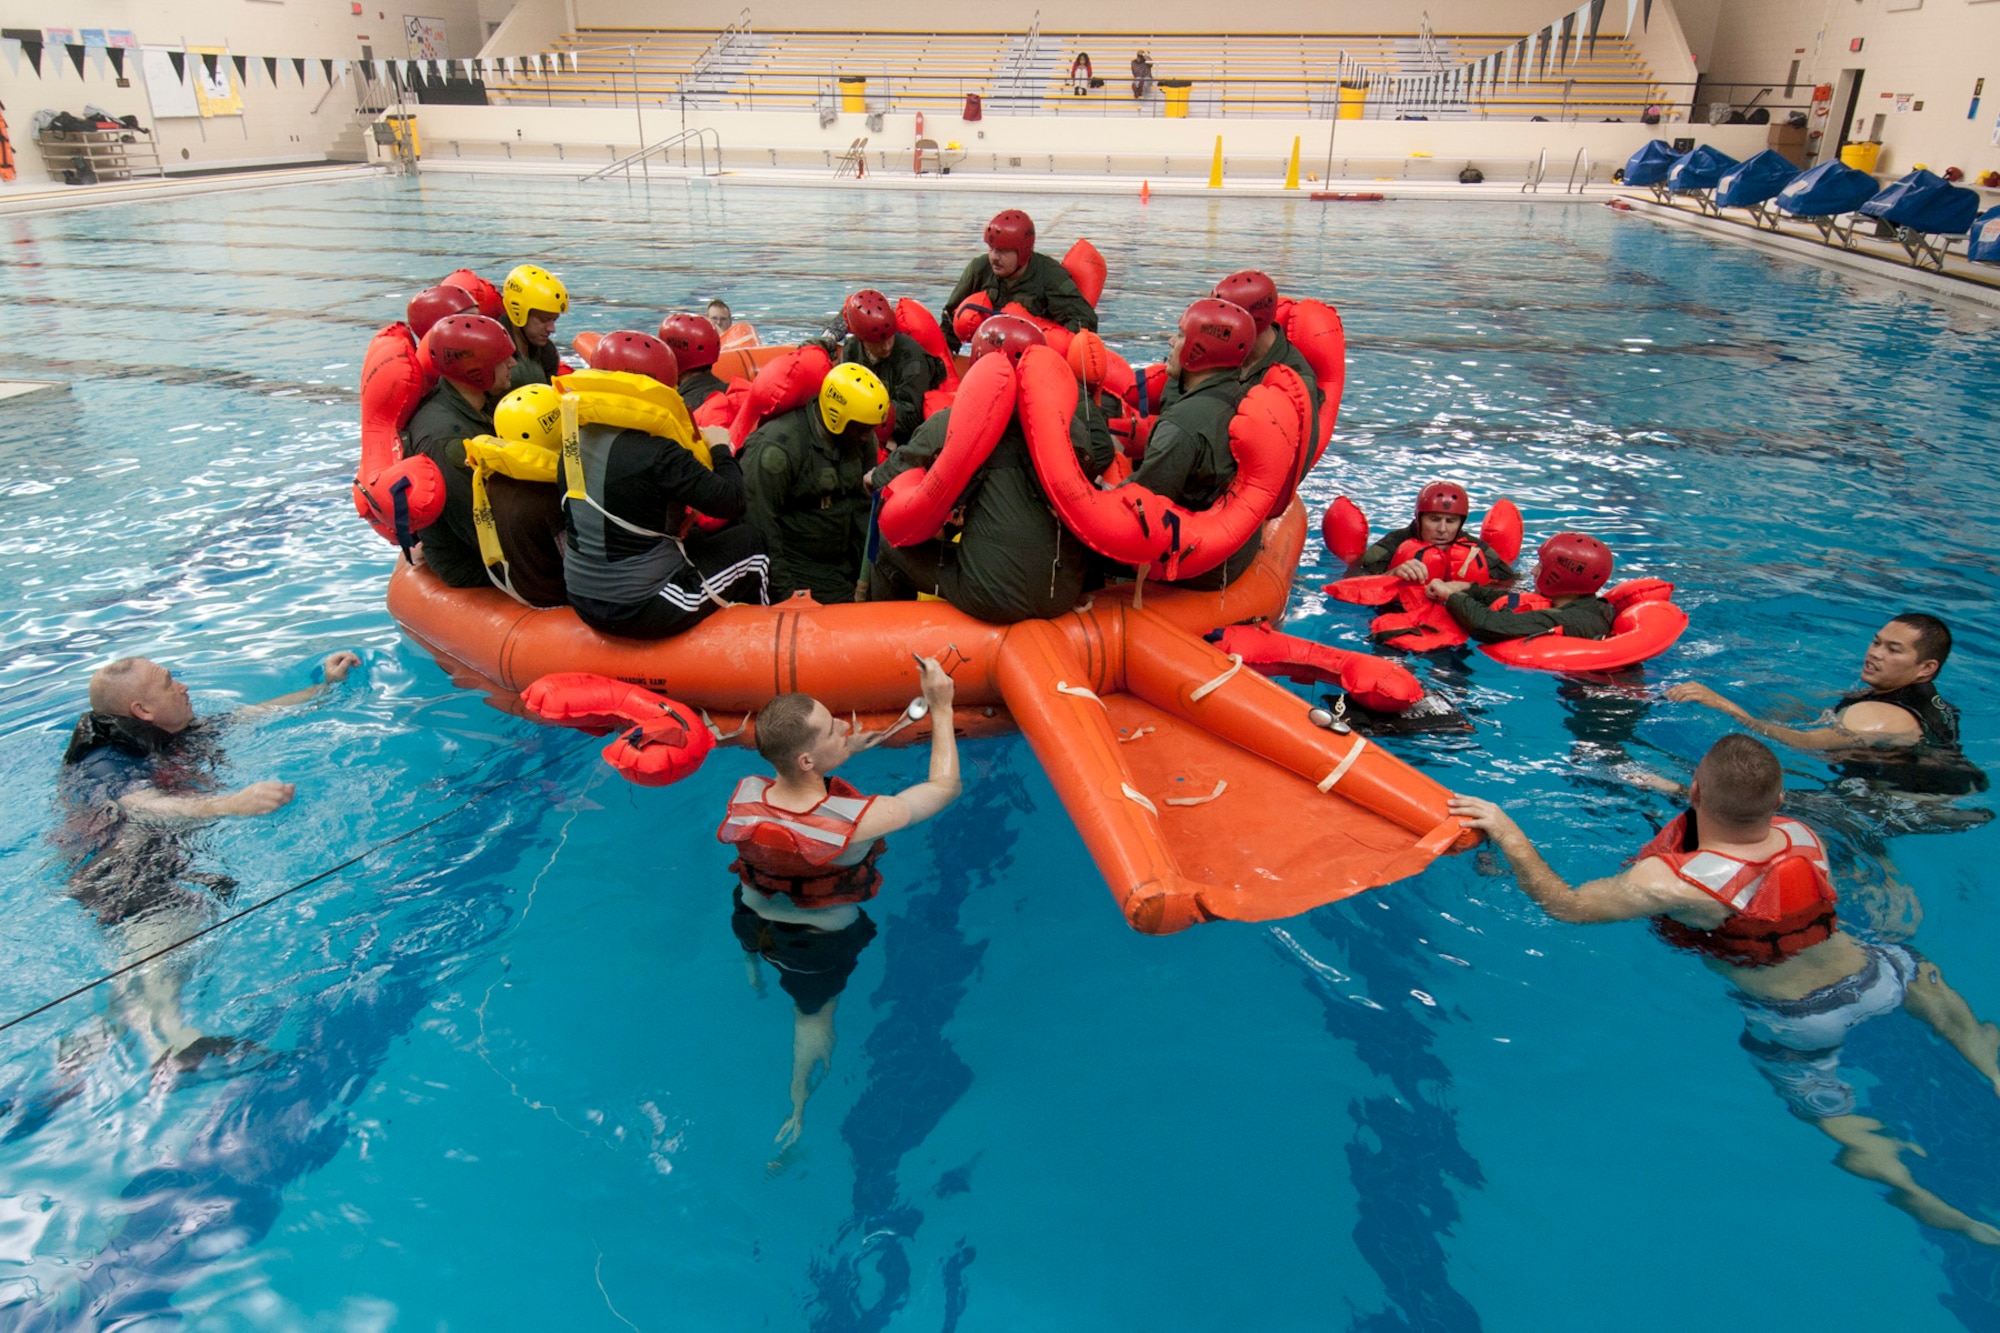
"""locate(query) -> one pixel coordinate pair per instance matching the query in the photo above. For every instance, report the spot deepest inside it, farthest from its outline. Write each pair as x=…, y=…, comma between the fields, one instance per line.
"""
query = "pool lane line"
x=323, y=875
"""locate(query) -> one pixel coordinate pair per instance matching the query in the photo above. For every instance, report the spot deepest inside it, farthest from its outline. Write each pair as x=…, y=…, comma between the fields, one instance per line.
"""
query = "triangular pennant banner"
x=271, y=69
x=326, y=67
x=76, y=54
x=1631, y=12
x=299, y=68
x=1548, y=36
x=33, y=51
x=1648, y=19
x=575, y=63
x=413, y=74
x=179, y=60
x=1534, y=40
x=212, y=62
x=1562, y=51
x=117, y=54
x=1596, y=19
x=242, y=64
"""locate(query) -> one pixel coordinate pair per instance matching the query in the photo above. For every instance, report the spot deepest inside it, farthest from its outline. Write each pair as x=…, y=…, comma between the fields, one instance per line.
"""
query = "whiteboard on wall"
x=169, y=95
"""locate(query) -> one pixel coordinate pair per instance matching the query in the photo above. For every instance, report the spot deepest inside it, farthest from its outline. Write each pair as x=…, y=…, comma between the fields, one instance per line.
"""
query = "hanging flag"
x=1596, y=18
x=1648, y=20
x=242, y=64
x=299, y=68
x=533, y=62
x=1548, y=36
x=326, y=68
x=1562, y=51
x=75, y=57
x=117, y=57
x=575, y=63
x=179, y=61
x=1533, y=43
x=271, y=69
x=212, y=62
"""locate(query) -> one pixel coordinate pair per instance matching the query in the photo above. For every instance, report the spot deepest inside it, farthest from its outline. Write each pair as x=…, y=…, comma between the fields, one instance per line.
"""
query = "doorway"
x=1846, y=97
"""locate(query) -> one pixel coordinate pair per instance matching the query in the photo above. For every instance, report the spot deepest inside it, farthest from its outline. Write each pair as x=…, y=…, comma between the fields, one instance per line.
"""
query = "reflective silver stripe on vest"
x=588, y=571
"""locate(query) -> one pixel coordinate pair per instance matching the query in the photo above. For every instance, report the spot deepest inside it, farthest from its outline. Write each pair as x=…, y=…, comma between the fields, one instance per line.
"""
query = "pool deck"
x=53, y=196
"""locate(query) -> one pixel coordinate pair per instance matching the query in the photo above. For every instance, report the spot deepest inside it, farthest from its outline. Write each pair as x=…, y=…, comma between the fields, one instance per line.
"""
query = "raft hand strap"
x=1207, y=688
x=1328, y=782
x=399, y=502
x=719, y=733
x=1173, y=522
x=1081, y=692
x=1221, y=786
x=1140, y=797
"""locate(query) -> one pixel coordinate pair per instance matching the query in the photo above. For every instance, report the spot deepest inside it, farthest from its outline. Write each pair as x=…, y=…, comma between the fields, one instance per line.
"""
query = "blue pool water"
x=516, y=1077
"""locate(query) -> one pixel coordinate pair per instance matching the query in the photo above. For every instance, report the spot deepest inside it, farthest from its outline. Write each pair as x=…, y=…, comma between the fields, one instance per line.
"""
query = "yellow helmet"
x=531, y=288
x=852, y=394
x=532, y=415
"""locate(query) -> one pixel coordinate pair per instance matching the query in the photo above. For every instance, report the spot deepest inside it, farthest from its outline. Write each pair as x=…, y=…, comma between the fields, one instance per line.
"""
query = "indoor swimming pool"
x=502, y=1069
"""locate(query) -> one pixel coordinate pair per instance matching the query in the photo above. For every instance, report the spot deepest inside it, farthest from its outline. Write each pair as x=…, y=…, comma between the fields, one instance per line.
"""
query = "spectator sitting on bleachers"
x=1080, y=75
x=1142, y=76
x=1011, y=271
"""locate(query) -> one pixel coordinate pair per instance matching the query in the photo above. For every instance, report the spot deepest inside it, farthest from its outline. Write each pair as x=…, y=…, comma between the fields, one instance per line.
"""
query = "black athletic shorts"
x=813, y=964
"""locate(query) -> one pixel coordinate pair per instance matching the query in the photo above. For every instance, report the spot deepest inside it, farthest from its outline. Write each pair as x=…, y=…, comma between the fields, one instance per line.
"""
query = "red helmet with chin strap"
x=1005, y=333
x=1444, y=497
x=482, y=291
x=638, y=354
x=1216, y=335
x=1570, y=563
x=692, y=339
x=1253, y=291
x=869, y=316
x=1012, y=230
x=469, y=348
x=432, y=304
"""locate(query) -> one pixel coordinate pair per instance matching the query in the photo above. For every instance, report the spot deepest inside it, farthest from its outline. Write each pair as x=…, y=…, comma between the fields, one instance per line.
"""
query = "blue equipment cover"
x=1649, y=165
x=1925, y=203
x=1699, y=170
x=1829, y=188
x=1984, y=247
x=1756, y=181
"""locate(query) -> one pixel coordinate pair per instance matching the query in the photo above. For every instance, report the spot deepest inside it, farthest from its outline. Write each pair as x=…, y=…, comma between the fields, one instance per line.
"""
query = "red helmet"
x=432, y=304
x=1218, y=335
x=693, y=339
x=482, y=291
x=469, y=348
x=638, y=353
x=1005, y=333
x=1444, y=497
x=869, y=316
x=1253, y=291
x=1572, y=563
x=1012, y=230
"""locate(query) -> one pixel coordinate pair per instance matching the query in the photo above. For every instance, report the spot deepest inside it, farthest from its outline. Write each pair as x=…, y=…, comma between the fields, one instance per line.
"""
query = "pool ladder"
x=700, y=137
x=1536, y=174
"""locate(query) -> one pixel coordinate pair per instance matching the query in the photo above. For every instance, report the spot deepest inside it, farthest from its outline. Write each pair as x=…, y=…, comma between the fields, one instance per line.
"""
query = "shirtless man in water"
x=1749, y=889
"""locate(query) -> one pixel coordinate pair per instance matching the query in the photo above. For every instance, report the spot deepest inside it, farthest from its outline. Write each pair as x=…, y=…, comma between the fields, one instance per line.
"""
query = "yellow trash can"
x=405, y=130
x=1176, y=92
x=1861, y=156
x=854, y=93
x=1353, y=99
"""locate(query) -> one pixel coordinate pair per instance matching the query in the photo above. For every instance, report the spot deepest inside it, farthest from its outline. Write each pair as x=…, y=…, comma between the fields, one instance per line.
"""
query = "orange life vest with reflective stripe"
x=1779, y=906
x=808, y=855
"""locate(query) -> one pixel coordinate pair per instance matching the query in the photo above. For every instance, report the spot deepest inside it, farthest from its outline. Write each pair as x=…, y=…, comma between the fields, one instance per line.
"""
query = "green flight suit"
x=1188, y=461
x=808, y=499
x=1043, y=287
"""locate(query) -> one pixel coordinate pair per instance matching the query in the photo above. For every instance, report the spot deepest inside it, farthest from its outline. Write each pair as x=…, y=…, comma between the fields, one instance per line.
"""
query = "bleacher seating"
x=1237, y=75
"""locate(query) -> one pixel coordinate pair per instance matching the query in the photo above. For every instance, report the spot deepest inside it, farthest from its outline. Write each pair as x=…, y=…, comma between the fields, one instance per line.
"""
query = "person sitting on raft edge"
x=630, y=571
x=1187, y=459
x=696, y=347
x=867, y=336
x=1570, y=568
x=1750, y=890
x=1011, y=271
x=807, y=844
x=1256, y=293
x=806, y=470
x=1898, y=729
x=1442, y=510
x=534, y=299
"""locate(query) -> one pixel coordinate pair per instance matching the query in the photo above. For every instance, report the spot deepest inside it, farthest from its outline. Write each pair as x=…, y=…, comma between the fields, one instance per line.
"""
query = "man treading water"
x=807, y=844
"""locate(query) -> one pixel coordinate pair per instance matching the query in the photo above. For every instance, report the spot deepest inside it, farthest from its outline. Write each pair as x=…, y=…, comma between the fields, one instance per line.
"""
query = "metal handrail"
x=697, y=134
x=1534, y=181
x=1582, y=159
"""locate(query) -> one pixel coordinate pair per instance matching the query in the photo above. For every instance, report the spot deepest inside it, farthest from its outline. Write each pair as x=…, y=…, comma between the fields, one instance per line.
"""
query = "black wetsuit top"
x=1937, y=765
x=121, y=867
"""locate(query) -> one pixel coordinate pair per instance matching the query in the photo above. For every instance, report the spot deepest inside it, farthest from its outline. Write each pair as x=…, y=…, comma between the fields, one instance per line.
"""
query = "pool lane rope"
x=282, y=894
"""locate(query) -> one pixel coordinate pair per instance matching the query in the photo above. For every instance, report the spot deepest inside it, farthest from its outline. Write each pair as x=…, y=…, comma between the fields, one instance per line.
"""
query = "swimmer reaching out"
x=807, y=844
x=1751, y=890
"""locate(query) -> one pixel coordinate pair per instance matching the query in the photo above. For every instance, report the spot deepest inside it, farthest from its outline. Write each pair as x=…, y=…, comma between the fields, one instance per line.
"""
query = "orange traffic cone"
x=1145, y=191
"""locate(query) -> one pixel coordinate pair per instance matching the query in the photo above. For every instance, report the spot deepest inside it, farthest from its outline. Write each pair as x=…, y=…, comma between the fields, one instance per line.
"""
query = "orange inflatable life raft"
x=1373, y=682
x=1201, y=788
x=1648, y=624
